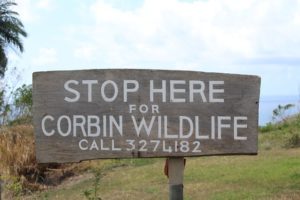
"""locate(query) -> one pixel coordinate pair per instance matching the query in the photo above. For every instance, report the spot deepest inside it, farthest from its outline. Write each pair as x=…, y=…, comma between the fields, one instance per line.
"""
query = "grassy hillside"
x=273, y=174
x=285, y=134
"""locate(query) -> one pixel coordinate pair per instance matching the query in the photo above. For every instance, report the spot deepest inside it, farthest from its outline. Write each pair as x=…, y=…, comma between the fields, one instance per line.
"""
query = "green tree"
x=23, y=99
x=11, y=30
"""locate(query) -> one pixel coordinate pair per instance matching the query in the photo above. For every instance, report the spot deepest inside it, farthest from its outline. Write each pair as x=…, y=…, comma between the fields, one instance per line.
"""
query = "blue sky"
x=244, y=37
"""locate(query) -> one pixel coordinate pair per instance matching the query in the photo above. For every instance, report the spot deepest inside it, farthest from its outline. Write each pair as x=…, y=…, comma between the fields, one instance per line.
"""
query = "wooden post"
x=175, y=172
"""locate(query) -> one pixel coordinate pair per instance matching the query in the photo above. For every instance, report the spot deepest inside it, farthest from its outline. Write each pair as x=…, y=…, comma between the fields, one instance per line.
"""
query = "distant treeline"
x=15, y=105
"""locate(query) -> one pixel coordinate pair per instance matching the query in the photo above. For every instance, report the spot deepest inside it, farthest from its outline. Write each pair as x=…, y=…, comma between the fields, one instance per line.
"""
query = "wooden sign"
x=92, y=114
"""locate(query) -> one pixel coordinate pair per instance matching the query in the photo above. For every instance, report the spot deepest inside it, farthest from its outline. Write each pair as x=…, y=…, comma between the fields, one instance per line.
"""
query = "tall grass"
x=17, y=158
x=17, y=151
x=284, y=134
x=19, y=168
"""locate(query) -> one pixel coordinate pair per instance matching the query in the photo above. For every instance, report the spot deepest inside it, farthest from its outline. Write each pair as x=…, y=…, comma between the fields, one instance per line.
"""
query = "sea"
x=268, y=103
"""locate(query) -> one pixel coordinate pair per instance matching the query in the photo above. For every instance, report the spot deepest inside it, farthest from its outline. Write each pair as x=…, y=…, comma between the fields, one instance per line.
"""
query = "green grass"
x=281, y=135
x=260, y=177
x=272, y=174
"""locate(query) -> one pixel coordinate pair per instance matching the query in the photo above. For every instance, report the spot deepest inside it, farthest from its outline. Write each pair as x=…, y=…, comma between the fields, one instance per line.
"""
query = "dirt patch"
x=70, y=181
x=66, y=183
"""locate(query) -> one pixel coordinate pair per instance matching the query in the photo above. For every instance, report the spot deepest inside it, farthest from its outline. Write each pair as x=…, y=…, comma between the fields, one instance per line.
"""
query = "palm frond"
x=11, y=31
x=3, y=61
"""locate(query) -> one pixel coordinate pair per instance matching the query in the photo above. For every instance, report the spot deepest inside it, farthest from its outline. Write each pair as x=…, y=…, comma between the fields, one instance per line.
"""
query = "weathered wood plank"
x=91, y=114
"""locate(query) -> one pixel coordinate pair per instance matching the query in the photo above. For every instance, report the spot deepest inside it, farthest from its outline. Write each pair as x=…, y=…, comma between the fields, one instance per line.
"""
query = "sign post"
x=127, y=113
x=176, y=170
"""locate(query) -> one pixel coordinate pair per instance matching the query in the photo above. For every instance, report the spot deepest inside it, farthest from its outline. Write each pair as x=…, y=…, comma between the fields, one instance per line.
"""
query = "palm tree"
x=11, y=30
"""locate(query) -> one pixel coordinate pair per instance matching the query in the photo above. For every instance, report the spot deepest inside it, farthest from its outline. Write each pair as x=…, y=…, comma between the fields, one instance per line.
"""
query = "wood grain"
x=241, y=98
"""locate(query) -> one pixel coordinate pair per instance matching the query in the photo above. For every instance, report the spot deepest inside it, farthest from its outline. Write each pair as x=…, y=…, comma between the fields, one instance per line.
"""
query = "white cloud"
x=45, y=57
x=30, y=10
x=258, y=37
x=44, y=4
x=85, y=52
x=253, y=37
x=203, y=32
x=25, y=10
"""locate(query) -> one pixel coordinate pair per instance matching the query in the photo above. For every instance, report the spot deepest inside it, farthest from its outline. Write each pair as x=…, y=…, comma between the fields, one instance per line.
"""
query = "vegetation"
x=273, y=174
x=92, y=194
x=23, y=100
x=283, y=133
x=279, y=113
x=18, y=110
x=18, y=167
x=270, y=175
x=11, y=31
x=4, y=107
x=17, y=157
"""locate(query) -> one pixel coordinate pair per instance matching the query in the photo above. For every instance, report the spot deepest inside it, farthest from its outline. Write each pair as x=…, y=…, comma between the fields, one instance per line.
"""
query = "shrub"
x=22, y=120
x=23, y=100
x=292, y=140
x=15, y=105
x=267, y=128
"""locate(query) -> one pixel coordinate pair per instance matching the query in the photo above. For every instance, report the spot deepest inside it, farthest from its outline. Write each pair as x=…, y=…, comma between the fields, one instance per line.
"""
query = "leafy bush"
x=267, y=128
x=15, y=105
x=292, y=140
x=283, y=134
x=23, y=99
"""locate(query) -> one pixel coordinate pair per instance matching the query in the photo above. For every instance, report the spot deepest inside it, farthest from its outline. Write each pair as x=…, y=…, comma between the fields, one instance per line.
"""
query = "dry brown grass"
x=18, y=166
x=17, y=150
x=17, y=159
